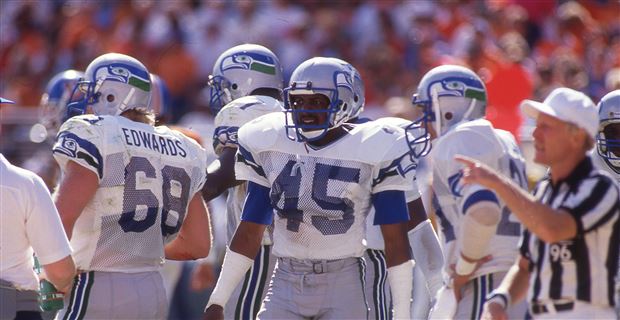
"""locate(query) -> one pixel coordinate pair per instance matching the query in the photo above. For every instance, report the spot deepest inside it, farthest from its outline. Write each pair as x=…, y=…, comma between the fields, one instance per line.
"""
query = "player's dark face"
x=612, y=132
x=312, y=109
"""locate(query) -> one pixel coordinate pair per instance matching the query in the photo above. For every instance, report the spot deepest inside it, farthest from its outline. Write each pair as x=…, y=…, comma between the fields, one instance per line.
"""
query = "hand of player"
x=459, y=280
x=214, y=312
x=493, y=311
x=476, y=172
x=202, y=277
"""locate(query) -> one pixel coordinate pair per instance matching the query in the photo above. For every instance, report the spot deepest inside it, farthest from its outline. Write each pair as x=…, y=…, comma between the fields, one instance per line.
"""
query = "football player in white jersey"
x=248, y=79
x=127, y=189
x=321, y=174
x=608, y=150
x=478, y=233
x=608, y=138
x=422, y=238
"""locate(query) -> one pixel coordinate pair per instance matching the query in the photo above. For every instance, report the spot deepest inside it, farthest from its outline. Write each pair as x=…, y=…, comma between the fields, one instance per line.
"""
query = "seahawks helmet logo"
x=249, y=61
x=125, y=74
x=462, y=87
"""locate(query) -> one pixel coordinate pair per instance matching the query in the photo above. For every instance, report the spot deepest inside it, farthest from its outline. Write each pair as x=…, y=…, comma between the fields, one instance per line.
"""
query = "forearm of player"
x=427, y=253
x=244, y=246
x=478, y=228
x=194, y=239
x=233, y=270
x=60, y=273
x=220, y=175
x=76, y=189
x=400, y=267
x=516, y=282
x=548, y=224
x=397, y=250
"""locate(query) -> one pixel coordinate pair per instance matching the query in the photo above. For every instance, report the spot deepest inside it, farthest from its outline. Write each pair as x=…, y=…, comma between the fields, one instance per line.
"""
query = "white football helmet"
x=239, y=71
x=449, y=94
x=113, y=83
x=358, y=90
x=53, y=105
x=608, y=137
x=336, y=79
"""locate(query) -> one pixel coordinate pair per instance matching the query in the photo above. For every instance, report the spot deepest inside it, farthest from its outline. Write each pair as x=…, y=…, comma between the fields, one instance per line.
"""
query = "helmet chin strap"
x=470, y=109
x=435, y=102
x=311, y=134
x=228, y=95
x=125, y=103
x=438, y=113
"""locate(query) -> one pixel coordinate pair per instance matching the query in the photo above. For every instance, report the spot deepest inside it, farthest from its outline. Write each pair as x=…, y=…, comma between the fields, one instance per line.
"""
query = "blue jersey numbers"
x=505, y=227
x=335, y=214
x=175, y=196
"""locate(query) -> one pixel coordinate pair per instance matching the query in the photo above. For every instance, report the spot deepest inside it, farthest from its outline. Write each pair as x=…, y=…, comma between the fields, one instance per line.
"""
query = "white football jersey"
x=227, y=122
x=322, y=197
x=147, y=176
x=374, y=238
x=497, y=148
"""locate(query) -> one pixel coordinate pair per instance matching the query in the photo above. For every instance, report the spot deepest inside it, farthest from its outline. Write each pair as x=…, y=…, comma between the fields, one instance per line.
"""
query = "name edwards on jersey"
x=152, y=141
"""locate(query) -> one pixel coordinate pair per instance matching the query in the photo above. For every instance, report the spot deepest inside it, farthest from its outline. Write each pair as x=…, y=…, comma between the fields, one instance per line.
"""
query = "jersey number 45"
x=287, y=184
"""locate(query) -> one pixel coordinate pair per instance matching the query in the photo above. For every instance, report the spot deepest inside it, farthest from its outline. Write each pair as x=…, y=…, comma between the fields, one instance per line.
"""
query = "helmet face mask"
x=333, y=78
x=58, y=93
x=113, y=83
x=219, y=93
x=608, y=137
x=239, y=71
x=160, y=99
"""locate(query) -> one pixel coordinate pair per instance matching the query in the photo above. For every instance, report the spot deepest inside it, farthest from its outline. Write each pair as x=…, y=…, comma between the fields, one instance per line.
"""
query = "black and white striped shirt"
x=582, y=268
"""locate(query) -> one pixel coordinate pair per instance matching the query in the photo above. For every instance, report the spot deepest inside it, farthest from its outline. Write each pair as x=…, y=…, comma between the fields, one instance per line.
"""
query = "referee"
x=569, y=252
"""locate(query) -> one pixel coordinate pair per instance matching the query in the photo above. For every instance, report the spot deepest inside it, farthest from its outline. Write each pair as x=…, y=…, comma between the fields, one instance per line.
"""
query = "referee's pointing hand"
x=476, y=172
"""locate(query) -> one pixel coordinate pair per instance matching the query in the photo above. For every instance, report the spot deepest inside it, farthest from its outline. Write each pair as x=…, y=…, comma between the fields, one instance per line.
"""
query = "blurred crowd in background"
x=520, y=48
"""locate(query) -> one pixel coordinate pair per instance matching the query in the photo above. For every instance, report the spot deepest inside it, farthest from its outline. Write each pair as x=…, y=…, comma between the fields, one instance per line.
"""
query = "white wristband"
x=464, y=267
x=233, y=270
x=400, y=278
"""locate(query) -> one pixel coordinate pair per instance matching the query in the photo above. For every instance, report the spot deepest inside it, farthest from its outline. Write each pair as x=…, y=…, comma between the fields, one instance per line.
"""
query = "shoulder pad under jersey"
x=476, y=139
x=81, y=139
x=237, y=113
x=264, y=132
x=374, y=142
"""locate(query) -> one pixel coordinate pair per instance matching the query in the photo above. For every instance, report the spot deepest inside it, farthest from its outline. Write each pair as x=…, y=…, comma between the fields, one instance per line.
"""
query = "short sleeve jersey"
x=147, y=176
x=374, y=238
x=496, y=148
x=227, y=123
x=584, y=267
x=322, y=197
